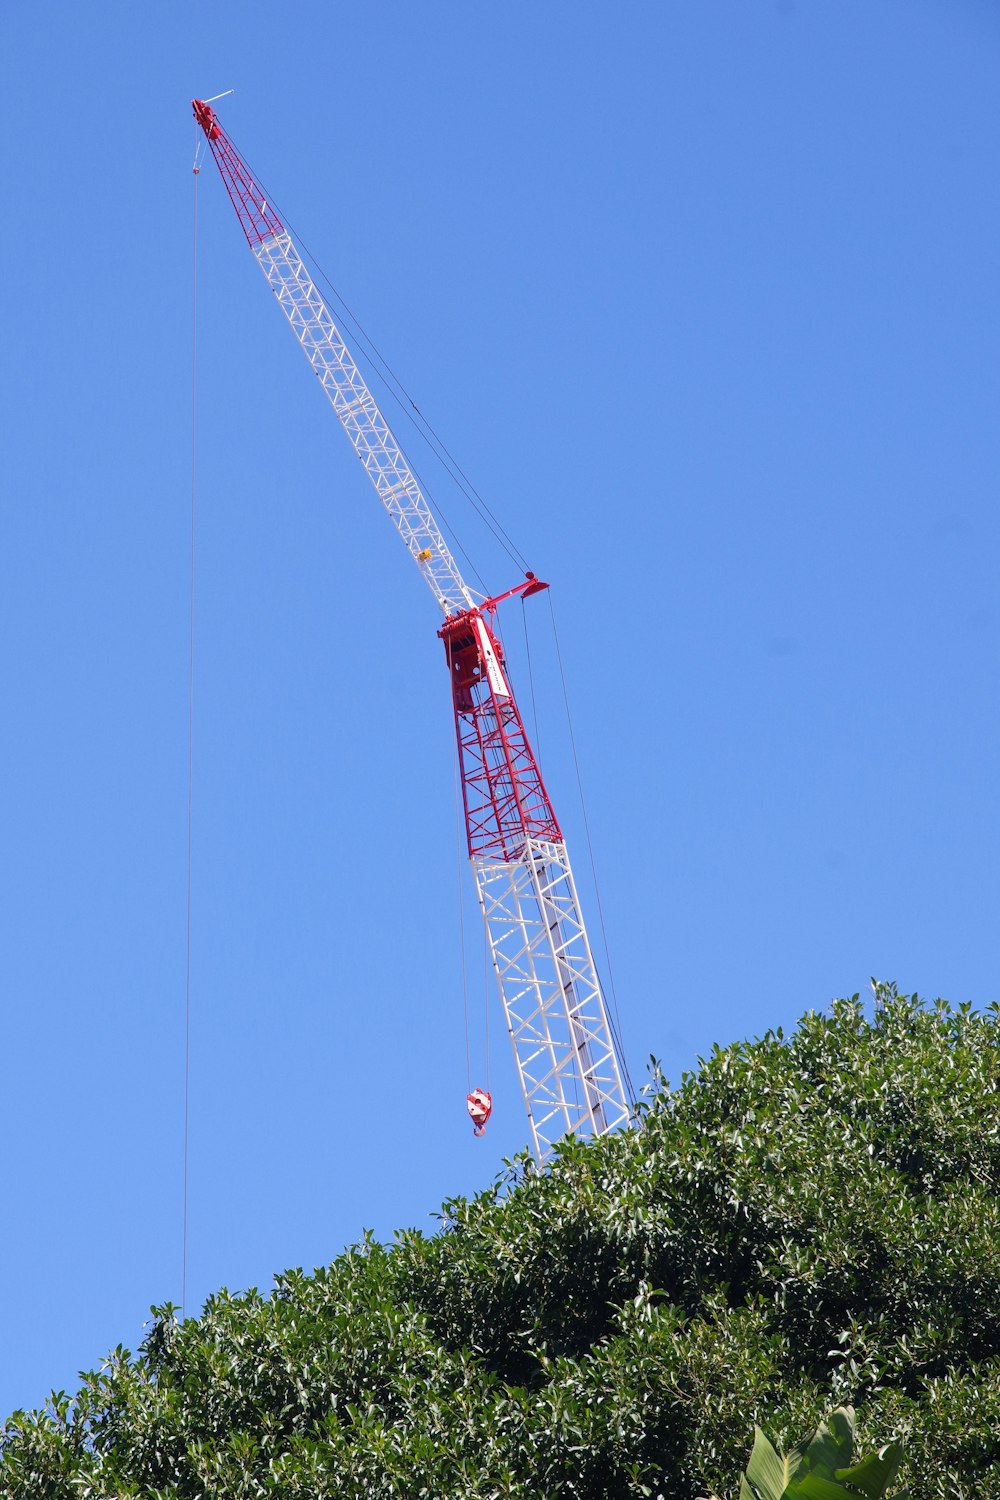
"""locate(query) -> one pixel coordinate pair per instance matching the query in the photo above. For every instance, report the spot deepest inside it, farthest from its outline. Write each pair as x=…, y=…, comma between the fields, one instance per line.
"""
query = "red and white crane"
x=555, y=1010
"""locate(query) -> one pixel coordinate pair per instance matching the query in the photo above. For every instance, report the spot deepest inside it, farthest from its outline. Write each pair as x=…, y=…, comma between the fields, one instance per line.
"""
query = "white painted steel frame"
x=361, y=419
x=552, y=998
x=551, y=995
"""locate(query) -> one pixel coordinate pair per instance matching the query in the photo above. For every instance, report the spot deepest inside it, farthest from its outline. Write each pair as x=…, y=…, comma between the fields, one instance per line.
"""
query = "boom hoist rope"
x=563, y=1043
x=407, y=406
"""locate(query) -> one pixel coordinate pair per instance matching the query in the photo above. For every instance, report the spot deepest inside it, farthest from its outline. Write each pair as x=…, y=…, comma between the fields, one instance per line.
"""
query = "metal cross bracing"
x=361, y=419
x=555, y=1010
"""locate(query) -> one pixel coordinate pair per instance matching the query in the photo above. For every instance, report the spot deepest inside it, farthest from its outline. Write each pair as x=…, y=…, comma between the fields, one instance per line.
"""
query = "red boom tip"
x=205, y=115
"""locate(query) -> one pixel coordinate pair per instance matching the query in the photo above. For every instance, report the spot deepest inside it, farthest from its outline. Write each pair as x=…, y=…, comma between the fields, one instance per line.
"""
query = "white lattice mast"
x=552, y=999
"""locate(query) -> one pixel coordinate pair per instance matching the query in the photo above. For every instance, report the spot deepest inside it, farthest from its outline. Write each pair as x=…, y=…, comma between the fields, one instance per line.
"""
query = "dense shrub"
x=806, y=1221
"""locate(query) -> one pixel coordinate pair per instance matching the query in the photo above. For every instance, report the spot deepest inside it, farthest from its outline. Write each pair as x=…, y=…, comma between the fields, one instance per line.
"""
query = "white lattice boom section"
x=361, y=419
x=555, y=1011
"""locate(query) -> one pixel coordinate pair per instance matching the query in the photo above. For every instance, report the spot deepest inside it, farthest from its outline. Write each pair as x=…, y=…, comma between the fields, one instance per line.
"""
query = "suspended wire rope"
x=430, y=497
x=399, y=394
x=428, y=493
x=615, y=1018
x=486, y=1001
x=460, y=872
x=190, y=727
x=415, y=416
x=531, y=675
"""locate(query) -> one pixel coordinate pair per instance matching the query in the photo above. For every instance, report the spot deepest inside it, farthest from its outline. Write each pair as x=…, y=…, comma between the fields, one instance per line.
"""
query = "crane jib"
x=563, y=1045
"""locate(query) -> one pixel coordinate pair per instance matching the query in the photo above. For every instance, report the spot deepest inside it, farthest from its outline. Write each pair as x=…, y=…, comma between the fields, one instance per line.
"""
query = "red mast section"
x=502, y=788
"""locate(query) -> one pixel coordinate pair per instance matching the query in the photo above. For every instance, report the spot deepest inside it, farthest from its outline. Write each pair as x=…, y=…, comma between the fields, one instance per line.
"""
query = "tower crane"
x=563, y=1043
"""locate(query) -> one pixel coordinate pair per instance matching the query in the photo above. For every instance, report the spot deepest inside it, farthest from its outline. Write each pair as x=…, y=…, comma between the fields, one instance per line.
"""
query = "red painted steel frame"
x=259, y=220
x=502, y=788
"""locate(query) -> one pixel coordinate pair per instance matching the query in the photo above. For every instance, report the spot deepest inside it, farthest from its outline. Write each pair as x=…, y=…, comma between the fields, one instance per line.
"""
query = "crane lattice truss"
x=552, y=998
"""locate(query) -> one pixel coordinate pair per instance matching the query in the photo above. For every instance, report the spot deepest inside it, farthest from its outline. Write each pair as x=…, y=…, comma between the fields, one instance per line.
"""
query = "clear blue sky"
x=705, y=297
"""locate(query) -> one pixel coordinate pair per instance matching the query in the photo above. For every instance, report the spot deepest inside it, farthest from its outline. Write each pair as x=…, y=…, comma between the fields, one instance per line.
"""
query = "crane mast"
x=554, y=1007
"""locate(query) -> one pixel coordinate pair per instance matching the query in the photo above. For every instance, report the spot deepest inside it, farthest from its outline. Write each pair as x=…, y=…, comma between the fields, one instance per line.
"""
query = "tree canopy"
x=808, y=1220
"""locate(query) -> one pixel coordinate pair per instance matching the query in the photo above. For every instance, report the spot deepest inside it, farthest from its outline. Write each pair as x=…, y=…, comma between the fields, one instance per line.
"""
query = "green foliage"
x=807, y=1221
x=821, y=1468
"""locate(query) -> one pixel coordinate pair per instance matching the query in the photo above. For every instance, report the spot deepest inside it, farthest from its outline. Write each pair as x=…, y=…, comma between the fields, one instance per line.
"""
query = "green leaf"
x=832, y=1447
x=768, y=1471
x=817, y=1487
x=873, y=1476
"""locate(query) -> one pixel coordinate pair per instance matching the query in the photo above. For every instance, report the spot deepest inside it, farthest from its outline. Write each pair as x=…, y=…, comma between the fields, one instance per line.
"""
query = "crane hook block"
x=480, y=1106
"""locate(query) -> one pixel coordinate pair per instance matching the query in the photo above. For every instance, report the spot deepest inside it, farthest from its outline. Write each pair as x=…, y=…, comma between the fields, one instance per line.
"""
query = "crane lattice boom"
x=548, y=982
